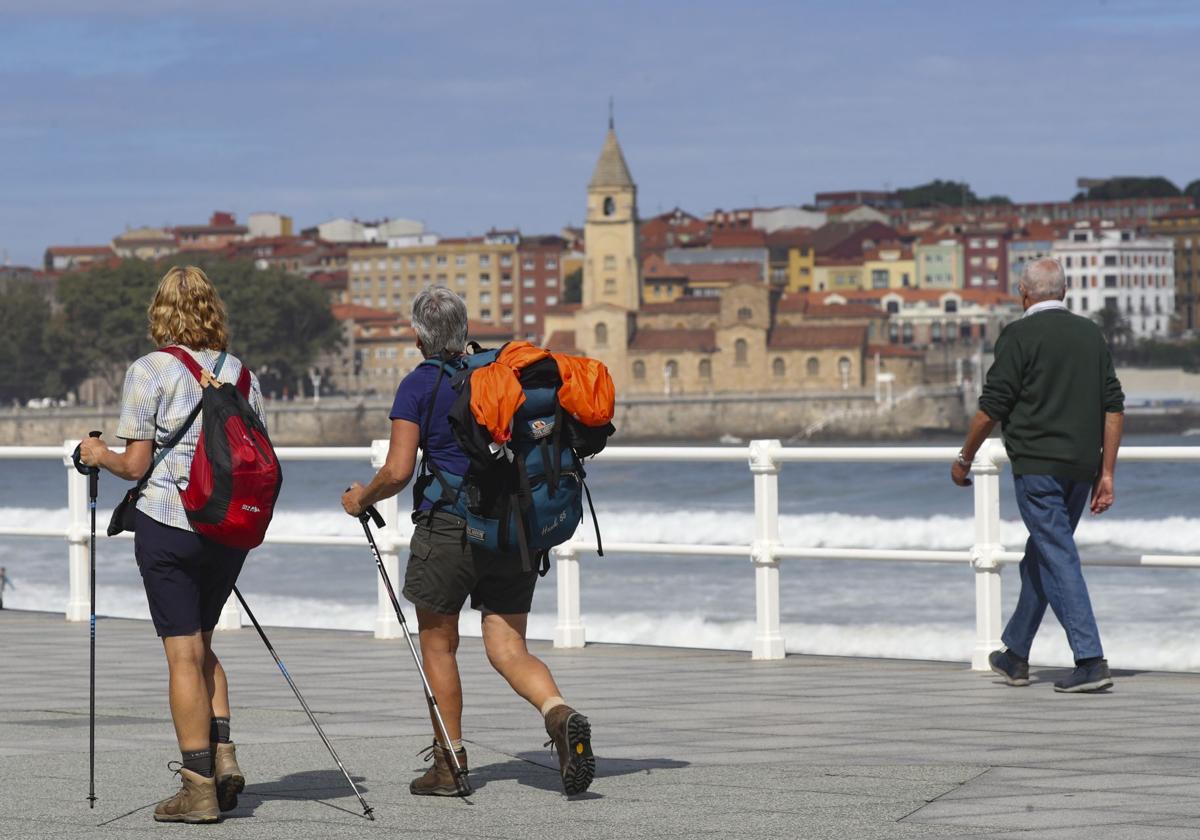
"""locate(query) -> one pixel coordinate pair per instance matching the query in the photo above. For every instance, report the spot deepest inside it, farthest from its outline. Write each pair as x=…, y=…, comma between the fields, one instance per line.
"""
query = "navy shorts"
x=187, y=577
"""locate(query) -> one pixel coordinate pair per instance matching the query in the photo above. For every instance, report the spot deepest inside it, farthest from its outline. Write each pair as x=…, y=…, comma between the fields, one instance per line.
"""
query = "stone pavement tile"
x=1122, y=831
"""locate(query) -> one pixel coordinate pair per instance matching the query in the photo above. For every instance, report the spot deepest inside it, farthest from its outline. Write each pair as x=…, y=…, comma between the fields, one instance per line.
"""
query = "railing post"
x=768, y=640
x=78, y=534
x=389, y=539
x=986, y=472
x=568, y=632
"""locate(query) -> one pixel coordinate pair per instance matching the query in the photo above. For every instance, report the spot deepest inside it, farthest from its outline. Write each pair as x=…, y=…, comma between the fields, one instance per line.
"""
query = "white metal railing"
x=763, y=546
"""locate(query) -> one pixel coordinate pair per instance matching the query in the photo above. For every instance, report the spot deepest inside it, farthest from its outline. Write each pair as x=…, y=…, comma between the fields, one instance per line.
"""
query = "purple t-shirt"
x=412, y=404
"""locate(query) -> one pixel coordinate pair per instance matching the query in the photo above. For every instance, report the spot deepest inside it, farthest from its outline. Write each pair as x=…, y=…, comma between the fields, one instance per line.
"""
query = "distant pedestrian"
x=445, y=569
x=1053, y=389
x=187, y=577
x=5, y=582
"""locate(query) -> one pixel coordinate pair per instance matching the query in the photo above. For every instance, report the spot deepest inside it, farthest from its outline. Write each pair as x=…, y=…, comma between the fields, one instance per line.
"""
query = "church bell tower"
x=611, y=273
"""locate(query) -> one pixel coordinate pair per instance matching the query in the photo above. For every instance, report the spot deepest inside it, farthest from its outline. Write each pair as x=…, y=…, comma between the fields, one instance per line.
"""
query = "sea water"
x=1149, y=618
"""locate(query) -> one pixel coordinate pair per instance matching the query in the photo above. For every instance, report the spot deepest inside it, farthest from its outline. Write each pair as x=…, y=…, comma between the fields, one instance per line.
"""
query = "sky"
x=469, y=115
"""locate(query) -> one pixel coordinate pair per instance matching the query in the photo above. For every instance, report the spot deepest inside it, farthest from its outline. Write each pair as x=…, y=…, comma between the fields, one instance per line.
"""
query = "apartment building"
x=1182, y=227
x=482, y=269
x=540, y=271
x=1117, y=268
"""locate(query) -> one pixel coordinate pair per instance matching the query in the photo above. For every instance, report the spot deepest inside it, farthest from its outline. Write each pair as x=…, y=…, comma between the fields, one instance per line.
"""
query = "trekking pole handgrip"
x=80, y=467
x=371, y=514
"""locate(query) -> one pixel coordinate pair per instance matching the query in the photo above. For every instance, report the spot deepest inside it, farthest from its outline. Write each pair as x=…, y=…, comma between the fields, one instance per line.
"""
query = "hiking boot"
x=228, y=775
x=1091, y=677
x=571, y=735
x=439, y=779
x=1005, y=663
x=196, y=801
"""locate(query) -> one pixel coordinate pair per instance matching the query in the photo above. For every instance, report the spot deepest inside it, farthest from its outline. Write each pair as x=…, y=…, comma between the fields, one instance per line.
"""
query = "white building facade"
x=1108, y=266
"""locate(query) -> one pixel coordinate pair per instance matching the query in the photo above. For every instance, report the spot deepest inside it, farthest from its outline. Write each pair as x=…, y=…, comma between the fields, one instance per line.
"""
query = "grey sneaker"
x=1005, y=663
x=1093, y=677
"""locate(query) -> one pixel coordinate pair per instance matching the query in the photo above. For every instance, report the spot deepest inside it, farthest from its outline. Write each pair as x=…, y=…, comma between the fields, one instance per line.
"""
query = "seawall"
x=700, y=418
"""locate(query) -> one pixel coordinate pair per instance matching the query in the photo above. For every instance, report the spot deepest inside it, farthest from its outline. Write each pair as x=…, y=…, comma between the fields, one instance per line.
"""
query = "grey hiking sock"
x=218, y=730
x=199, y=761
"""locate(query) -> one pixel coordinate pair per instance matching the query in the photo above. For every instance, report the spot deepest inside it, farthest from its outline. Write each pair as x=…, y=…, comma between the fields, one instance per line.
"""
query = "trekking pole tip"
x=369, y=812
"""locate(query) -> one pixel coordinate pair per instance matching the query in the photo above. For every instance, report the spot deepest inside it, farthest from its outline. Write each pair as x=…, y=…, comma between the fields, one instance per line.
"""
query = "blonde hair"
x=187, y=310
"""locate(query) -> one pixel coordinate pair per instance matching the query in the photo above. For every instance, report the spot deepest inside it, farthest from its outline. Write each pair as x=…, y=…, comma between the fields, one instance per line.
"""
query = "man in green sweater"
x=1053, y=389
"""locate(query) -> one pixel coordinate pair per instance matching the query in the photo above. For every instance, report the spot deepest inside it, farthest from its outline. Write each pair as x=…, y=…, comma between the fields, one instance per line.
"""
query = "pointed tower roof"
x=611, y=169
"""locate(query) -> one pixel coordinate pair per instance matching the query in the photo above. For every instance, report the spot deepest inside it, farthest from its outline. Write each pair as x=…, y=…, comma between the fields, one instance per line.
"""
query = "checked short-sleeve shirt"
x=158, y=396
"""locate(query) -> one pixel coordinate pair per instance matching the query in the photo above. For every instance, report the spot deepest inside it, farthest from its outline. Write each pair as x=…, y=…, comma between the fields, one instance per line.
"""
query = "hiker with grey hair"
x=1053, y=389
x=444, y=568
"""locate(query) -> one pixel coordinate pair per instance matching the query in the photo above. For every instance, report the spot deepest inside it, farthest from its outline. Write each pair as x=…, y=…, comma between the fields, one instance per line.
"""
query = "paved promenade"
x=690, y=744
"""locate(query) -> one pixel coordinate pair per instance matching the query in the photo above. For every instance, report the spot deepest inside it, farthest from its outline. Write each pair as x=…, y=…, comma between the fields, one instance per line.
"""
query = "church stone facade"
x=749, y=340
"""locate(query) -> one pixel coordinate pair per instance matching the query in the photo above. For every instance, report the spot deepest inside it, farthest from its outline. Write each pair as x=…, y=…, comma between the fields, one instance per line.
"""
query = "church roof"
x=816, y=338
x=703, y=341
x=611, y=169
x=562, y=341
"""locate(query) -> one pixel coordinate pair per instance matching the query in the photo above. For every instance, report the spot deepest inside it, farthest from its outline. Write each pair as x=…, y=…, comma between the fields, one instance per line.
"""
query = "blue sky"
x=468, y=115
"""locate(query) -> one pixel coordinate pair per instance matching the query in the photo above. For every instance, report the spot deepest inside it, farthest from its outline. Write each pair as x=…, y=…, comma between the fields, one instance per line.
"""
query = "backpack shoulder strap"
x=243, y=382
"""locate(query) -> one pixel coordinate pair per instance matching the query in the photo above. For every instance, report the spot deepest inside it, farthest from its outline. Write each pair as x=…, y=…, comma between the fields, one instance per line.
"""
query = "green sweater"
x=1050, y=386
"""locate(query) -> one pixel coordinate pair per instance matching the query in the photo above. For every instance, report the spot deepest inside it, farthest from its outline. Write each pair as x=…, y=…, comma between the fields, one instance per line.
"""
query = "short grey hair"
x=439, y=317
x=1044, y=279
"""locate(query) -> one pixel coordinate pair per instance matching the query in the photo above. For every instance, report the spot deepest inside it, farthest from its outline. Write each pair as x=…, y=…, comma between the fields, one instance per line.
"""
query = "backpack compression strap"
x=243, y=380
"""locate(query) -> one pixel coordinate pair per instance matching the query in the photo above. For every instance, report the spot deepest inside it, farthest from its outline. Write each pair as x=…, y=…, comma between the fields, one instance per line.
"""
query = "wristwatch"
x=962, y=462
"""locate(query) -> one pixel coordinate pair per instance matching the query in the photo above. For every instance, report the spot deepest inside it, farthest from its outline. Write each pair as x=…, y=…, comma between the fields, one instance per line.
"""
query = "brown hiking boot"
x=571, y=735
x=196, y=801
x=439, y=779
x=228, y=775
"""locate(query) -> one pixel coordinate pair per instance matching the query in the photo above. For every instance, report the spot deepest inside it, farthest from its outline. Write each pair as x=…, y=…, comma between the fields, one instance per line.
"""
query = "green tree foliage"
x=1152, y=187
x=1192, y=191
x=278, y=322
x=573, y=287
x=940, y=193
x=1115, y=328
x=25, y=354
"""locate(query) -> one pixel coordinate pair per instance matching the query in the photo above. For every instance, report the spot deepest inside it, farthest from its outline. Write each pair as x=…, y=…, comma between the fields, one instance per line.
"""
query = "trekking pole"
x=368, y=812
x=460, y=773
x=93, y=474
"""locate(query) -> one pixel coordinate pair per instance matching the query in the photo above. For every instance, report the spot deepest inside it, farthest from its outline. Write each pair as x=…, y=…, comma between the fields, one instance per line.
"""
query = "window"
x=527, y=264
x=893, y=332
x=485, y=314
x=745, y=313
x=485, y=297
x=506, y=297
x=812, y=368
x=741, y=350
x=528, y=282
x=506, y=316
x=506, y=278
x=530, y=318
x=460, y=259
x=893, y=306
x=906, y=332
x=551, y=262
x=505, y=260
x=879, y=278
x=964, y=330
x=552, y=300
x=600, y=333
x=671, y=369
x=484, y=277
x=425, y=261
x=1083, y=304
x=705, y=369
x=1110, y=259
x=610, y=285
x=935, y=332
x=778, y=368
x=951, y=305
x=460, y=279
x=1110, y=281
x=441, y=259
x=485, y=259
x=610, y=262
x=381, y=264
x=639, y=370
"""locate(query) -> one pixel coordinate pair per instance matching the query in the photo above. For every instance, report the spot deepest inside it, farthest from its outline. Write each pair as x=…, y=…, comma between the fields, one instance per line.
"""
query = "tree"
x=1154, y=186
x=1115, y=328
x=939, y=193
x=573, y=286
x=1192, y=191
x=278, y=322
x=25, y=354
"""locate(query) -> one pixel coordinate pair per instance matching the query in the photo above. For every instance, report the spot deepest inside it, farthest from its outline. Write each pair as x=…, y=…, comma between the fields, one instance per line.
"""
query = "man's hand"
x=1102, y=494
x=959, y=473
x=92, y=451
x=352, y=499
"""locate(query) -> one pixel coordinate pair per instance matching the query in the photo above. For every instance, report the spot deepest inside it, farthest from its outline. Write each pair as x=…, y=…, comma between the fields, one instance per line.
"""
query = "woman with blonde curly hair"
x=186, y=576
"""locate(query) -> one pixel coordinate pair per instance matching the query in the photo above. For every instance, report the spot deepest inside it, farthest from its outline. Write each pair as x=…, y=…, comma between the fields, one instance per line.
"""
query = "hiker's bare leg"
x=439, y=644
x=504, y=641
x=190, y=707
x=214, y=678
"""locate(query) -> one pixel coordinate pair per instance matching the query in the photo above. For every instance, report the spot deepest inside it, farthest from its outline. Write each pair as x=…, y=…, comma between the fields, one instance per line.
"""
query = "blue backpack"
x=527, y=495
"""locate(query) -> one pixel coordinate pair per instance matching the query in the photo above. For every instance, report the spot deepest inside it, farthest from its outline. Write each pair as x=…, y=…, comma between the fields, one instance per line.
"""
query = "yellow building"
x=792, y=259
x=831, y=274
x=482, y=269
x=889, y=267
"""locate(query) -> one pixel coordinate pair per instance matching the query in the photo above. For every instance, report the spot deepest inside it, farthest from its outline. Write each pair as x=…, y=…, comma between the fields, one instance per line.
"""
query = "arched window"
x=601, y=335
x=893, y=332
x=907, y=332
x=935, y=332
x=844, y=370
x=893, y=306
x=813, y=366
x=705, y=369
x=778, y=368
x=745, y=313
x=639, y=370
x=740, y=351
x=672, y=369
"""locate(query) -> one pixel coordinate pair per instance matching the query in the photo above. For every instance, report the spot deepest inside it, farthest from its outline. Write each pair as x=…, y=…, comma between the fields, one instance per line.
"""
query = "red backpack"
x=235, y=475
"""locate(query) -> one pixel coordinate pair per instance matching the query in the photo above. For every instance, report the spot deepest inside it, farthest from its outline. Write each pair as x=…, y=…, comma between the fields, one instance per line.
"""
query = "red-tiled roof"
x=733, y=272
x=986, y=297
x=357, y=312
x=897, y=253
x=815, y=338
x=799, y=237
x=79, y=250
x=702, y=341
x=481, y=331
x=562, y=341
x=562, y=309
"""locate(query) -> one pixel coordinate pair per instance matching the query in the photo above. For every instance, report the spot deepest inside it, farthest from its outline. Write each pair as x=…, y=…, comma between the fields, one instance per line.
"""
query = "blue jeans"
x=1050, y=571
